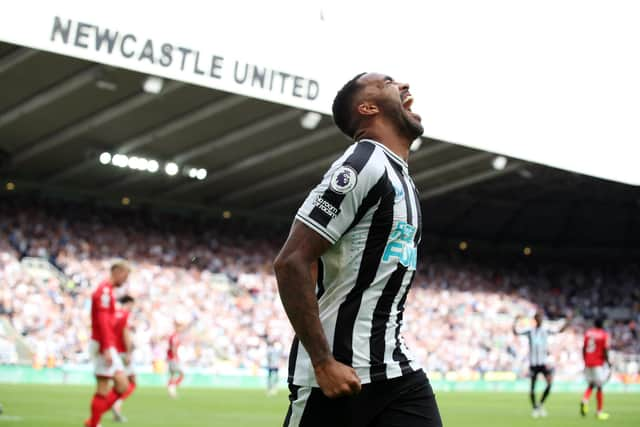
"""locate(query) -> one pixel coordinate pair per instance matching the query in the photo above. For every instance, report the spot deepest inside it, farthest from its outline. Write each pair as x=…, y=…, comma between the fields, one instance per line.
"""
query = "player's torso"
x=383, y=240
x=538, y=346
x=367, y=273
x=539, y=337
x=594, y=346
x=174, y=344
x=363, y=279
x=102, y=300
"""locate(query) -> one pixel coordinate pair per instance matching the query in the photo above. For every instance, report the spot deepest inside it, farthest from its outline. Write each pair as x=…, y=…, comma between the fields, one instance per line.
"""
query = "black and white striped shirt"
x=368, y=208
x=538, y=344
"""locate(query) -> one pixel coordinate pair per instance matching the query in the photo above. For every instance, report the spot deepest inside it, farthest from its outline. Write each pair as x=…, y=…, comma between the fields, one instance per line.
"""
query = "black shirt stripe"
x=293, y=356
x=377, y=237
x=357, y=160
x=418, y=236
x=398, y=354
x=372, y=197
x=381, y=315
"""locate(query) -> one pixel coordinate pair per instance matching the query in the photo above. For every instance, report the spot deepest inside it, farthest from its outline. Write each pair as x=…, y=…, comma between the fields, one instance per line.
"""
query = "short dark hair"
x=342, y=107
x=124, y=299
x=599, y=322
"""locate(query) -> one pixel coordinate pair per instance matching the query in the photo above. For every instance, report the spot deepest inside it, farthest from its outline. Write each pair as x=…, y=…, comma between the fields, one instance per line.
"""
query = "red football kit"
x=174, y=342
x=120, y=324
x=103, y=310
x=596, y=341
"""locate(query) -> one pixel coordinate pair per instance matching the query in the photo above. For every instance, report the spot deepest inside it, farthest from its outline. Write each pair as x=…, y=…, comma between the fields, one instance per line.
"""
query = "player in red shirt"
x=597, y=367
x=124, y=346
x=176, y=372
x=107, y=363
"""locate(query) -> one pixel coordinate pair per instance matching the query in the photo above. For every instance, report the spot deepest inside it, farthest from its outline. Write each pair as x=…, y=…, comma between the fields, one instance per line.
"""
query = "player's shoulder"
x=358, y=168
x=101, y=287
x=362, y=156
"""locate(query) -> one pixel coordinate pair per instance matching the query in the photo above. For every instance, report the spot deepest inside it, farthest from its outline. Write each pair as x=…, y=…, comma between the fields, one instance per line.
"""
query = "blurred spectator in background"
x=224, y=281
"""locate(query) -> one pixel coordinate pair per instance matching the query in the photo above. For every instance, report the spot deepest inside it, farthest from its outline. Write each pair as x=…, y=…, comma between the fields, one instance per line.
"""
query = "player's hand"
x=107, y=356
x=127, y=359
x=337, y=379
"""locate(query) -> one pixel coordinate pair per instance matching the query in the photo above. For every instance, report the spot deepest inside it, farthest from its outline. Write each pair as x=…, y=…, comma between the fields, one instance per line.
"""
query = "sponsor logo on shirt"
x=401, y=246
x=326, y=207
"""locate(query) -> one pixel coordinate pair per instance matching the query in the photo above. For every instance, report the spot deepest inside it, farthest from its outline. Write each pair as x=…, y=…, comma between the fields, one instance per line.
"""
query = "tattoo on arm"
x=293, y=268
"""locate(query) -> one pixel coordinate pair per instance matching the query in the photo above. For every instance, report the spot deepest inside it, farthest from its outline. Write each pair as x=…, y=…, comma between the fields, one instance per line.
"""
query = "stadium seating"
x=458, y=319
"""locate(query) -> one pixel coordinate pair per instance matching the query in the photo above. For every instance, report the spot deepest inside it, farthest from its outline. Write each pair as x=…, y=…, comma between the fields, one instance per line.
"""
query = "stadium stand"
x=219, y=274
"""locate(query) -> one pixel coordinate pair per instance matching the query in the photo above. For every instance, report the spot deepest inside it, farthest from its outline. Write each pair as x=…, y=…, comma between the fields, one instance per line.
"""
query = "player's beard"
x=402, y=120
x=413, y=127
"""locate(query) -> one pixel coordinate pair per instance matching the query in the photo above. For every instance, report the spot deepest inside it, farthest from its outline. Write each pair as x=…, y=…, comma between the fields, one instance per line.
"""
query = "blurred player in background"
x=595, y=352
x=274, y=353
x=538, y=355
x=124, y=345
x=107, y=362
x=176, y=372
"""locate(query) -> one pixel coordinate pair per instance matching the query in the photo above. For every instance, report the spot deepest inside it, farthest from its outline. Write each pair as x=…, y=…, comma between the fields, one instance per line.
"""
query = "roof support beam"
x=296, y=197
x=451, y=166
x=469, y=180
x=74, y=130
x=226, y=140
x=290, y=176
x=15, y=58
x=278, y=151
x=237, y=135
x=146, y=138
x=50, y=95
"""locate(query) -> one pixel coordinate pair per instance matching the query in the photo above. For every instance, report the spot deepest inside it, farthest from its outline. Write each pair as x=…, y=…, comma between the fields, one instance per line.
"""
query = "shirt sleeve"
x=353, y=184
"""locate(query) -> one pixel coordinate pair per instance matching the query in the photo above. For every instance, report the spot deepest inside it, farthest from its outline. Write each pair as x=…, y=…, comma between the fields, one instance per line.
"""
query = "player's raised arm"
x=293, y=268
x=567, y=323
x=515, y=326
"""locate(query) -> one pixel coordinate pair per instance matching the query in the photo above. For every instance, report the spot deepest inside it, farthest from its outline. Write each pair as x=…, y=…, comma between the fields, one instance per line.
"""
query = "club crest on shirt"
x=343, y=180
x=399, y=193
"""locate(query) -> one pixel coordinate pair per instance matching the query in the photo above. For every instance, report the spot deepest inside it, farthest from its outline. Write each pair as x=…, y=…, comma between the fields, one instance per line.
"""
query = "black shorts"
x=540, y=369
x=406, y=401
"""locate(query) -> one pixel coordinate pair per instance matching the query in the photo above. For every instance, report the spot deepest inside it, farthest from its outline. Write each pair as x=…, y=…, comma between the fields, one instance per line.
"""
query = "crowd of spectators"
x=459, y=315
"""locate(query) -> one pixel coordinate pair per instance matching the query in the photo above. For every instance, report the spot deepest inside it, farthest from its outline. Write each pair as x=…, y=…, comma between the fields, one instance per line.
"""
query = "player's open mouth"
x=407, y=102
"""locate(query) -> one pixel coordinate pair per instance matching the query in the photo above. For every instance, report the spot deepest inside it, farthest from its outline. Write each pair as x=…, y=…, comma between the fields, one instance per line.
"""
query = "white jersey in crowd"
x=368, y=208
x=538, y=344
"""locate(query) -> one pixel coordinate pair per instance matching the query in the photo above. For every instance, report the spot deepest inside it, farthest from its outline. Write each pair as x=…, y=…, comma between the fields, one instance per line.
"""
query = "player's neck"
x=388, y=137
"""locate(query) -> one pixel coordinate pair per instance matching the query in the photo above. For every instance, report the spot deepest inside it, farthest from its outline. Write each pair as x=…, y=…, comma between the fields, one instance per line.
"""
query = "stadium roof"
x=58, y=114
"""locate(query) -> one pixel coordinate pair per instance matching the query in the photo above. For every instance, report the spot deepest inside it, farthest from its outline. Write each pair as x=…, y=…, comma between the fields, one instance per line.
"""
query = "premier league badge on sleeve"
x=343, y=180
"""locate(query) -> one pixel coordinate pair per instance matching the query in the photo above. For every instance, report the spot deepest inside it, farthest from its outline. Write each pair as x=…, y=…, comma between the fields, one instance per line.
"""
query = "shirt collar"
x=390, y=153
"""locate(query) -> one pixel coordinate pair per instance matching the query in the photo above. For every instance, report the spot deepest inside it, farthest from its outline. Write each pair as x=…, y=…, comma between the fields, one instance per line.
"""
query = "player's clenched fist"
x=337, y=379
